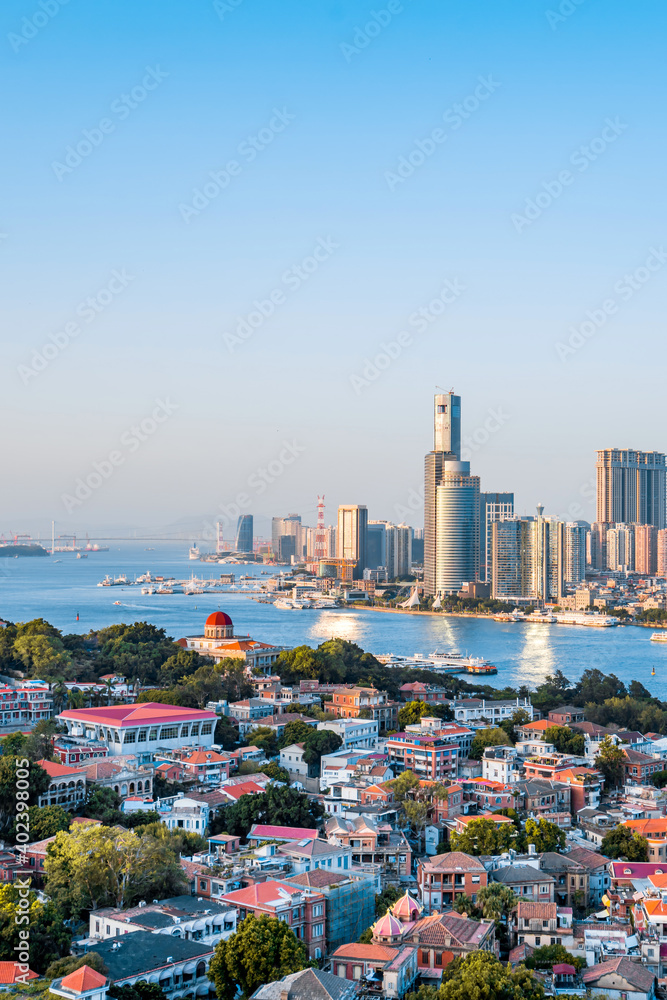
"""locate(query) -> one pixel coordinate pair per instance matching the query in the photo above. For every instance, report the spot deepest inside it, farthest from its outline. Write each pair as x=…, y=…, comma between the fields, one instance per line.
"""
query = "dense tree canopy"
x=481, y=976
x=49, y=938
x=95, y=866
x=278, y=805
x=621, y=842
x=483, y=836
x=610, y=760
x=565, y=740
x=13, y=769
x=262, y=950
x=484, y=738
x=411, y=713
x=546, y=836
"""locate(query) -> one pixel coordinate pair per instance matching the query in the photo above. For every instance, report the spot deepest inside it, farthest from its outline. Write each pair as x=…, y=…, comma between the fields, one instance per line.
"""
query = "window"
x=207, y=728
x=317, y=910
x=424, y=958
x=131, y=736
x=169, y=733
x=475, y=878
x=537, y=940
x=141, y=736
x=318, y=930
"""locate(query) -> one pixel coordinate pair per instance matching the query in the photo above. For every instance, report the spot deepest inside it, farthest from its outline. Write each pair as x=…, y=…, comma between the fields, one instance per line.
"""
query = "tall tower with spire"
x=451, y=505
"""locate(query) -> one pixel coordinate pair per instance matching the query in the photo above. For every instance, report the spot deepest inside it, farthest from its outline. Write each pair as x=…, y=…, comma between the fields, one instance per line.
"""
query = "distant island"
x=9, y=551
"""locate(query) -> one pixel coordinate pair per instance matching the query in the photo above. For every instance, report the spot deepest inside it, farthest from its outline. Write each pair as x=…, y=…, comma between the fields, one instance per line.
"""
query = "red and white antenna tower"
x=320, y=533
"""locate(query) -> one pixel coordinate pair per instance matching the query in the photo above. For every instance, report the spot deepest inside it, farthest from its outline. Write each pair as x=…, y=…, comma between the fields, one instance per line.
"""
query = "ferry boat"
x=590, y=619
x=441, y=663
x=287, y=604
x=194, y=552
x=659, y=636
x=510, y=616
x=543, y=617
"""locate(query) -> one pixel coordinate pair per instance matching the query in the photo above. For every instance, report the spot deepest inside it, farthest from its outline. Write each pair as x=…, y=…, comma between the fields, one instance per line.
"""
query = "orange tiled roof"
x=367, y=952
x=10, y=970
x=83, y=979
x=58, y=770
x=647, y=826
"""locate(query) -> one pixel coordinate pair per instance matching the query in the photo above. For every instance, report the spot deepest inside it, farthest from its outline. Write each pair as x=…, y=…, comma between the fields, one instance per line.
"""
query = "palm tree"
x=59, y=692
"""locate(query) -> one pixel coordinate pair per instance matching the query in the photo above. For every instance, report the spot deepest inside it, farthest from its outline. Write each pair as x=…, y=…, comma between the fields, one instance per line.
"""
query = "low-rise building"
x=350, y=897
x=24, y=704
x=542, y=924
x=501, y=764
x=309, y=984
x=373, y=843
x=187, y=917
x=180, y=968
x=365, y=702
x=431, y=757
x=304, y=910
x=122, y=774
x=479, y=711
x=527, y=882
x=356, y=734
x=565, y=715
x=620, y=979
x=442, y=879
x=396, y=968
x=67, y=786
x=142, y=728
x=219, y=643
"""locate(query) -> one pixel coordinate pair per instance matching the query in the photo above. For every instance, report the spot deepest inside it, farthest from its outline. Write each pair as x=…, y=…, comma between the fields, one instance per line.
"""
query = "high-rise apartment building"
x=646, y=549
x=352, y=535
x=597, y=545
x=621, y=548
x=288, y=538
x=528, y=558
x=244, y=533
x=574, y=542
x=451, y=505
x=376, y=544
x=492, y=507
x=662, y=552
x=631, y=487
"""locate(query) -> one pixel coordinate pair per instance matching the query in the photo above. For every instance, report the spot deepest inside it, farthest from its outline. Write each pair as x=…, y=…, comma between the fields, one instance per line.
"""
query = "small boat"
x=116, y=602
x=659, y=636
x=81, y=555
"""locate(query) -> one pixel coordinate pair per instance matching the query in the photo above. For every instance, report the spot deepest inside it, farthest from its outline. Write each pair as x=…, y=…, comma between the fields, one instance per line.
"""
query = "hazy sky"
x=339, y=166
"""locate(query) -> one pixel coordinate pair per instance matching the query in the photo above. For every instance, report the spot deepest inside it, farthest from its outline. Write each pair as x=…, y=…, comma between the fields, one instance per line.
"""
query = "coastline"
x=464, y=614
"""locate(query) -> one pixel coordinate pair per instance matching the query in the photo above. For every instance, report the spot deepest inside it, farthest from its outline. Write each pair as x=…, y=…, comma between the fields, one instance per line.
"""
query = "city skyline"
x=203, y=218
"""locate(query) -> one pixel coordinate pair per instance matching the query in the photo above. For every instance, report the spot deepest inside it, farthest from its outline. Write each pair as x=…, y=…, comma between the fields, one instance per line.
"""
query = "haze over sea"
x=60, y=587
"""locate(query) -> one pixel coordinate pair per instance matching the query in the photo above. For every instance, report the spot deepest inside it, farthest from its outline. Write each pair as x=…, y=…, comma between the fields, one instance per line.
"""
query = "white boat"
x=148, y=590
x=659, y=637
x=440, y=663
x=287, y=604
x=590, y=619
x=542, y=617
x=194, y=552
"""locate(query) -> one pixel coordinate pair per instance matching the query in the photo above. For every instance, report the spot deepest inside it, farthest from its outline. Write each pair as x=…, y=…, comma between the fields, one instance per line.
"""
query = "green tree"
x=566, y=740
x=11, y=768
x=405, y=786
x=226, y=733
x=621, y=842
x=96, y=866
x=45, y=821
x=263, y=949
x=484, y=738
x=518, y=718
x=483, y=836
x=102, y=804
x=659, y=779
x=553, y=954
x=483, y=977
x=264, y=738
x=278, y=805
x=295, y=732
x=319, y=742
x=610, y=760
x=64, y=966
x=411, y=713
x=42, y=656
x=546, y=836
x=49, y=938
x=496, y=901
x=389, y=895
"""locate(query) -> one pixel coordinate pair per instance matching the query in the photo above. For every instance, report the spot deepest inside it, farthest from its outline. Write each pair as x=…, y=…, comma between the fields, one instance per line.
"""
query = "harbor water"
x=60, y=587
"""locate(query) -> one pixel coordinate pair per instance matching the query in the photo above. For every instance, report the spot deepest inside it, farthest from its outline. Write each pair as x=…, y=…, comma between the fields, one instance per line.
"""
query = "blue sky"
x=339, y=95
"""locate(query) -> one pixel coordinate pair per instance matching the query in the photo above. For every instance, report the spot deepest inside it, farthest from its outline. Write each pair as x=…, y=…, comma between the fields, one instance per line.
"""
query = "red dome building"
x=219, y=643
x=218, y=626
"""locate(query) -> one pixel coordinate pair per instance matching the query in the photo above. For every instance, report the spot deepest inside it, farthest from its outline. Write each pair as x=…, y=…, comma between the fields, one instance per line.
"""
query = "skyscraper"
x=492, y=507
x=528, y=558
x=451, y=505
x=621, y=548
x=376, y=550
x=287, y=537
x=244, y=533
x=574, y=569
x=352, y=535
x=631, y=487
x=646, y=549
